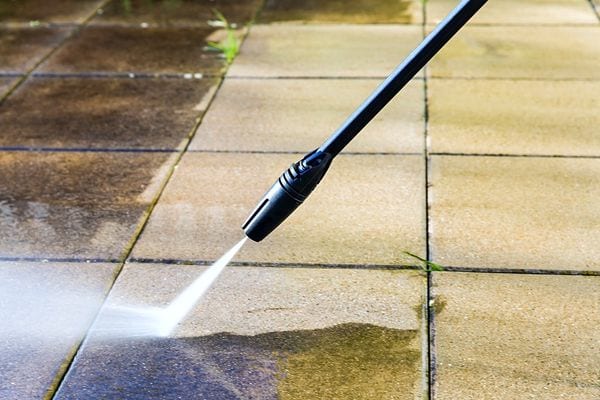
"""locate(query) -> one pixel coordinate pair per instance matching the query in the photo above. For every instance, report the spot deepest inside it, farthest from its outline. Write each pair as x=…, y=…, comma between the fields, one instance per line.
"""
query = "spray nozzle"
x=288, y=192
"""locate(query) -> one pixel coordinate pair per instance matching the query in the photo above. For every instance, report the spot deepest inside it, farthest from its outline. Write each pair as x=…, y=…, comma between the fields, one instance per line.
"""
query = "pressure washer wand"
x=297, y=182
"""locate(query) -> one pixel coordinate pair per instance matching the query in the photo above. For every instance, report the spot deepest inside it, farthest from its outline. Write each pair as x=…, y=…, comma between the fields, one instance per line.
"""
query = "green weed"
x=229, y=46
x=428, y=266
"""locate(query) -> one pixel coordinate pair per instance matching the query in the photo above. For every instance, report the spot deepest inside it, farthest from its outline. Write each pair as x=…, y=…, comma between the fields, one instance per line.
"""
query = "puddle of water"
x=125, y=321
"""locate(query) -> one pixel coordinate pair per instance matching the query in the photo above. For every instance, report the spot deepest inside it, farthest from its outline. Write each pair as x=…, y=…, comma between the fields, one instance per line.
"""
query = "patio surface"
x=130, y=155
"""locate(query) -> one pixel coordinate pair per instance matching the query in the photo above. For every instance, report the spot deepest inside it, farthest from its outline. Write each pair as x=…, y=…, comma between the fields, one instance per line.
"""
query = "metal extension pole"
x=401, y=76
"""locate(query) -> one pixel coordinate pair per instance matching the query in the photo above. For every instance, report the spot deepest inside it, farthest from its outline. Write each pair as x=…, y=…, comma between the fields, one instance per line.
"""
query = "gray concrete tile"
x=130, y=49
x=175, y=13
x=298, y=115
x=514, y=117
x=521, y=52
x=55, y=11
x=367, y=210
x=500, y=212
x=22, y=48
x=46, y=309
x=527, y=12
x=82, y=205
x=104, y=113
x=355, y=12
x=324, y=50
x=516, y=336
x=263, y=333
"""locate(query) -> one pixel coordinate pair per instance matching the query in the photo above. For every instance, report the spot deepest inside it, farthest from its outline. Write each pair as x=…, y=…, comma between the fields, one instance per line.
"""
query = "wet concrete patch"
x=281, y=50
x=368, y=209
x=126, y=49
x=175, y=12
x=82, y=205
x=358, y=361
x=104, y=113
x=297, y=115
x=45, y=309
x=55, y=11
x=262, y=333
x=356, y=12
x=22, y=48
x=521, y=52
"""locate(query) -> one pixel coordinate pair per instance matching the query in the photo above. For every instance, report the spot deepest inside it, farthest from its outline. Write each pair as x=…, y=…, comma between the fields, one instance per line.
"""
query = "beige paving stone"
x=45, y=309
x=354, y=12
x=264, y=333
x=514, y=117
x=521, y=52
x=500, y=212
x=324, y=50
x=517, y=337
x=298, y=115
x=367, y=210
x=530, y=12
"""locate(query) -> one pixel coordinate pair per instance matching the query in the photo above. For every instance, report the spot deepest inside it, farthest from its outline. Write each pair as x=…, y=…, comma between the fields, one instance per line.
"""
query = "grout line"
x=16, y=149
x=511, y=78
x=428, y=320
x=126, y=75
x=511, y=155
x=259, y=264
x=344, y=153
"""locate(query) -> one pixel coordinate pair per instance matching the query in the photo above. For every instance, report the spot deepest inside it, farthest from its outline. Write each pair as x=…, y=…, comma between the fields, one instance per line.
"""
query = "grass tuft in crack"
x=230, y=45
x=428, y=266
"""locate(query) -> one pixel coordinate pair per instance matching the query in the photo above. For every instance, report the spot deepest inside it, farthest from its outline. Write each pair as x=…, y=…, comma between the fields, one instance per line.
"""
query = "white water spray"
x=154, y=321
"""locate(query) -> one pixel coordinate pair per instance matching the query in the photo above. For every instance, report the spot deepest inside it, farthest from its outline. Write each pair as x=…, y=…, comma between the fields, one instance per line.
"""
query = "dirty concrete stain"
x=358, y=11
x=56, y=11
x=102, y=113
x=175, y=12
x=348, y=361
x=22, y=48
x=130, y=49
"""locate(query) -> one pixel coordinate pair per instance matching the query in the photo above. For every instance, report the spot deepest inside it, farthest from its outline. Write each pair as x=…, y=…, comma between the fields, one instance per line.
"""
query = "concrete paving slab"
x=263, y=333
x=515, y=212
x=514, y=117
x=367, y=210
x=324, y=50
x=355, y=12
x=175, y=13
x=104, y=113
x=298, y=115
x=525, y=12
x=521, y=52
x=55, y=11
x=76, y=205
x=45, y=309
x=137, y=50
x=504, y=336
x=22, y=48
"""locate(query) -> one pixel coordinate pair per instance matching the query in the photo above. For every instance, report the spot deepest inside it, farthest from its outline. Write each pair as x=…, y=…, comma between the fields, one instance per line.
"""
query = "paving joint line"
x=17, y=149
x=348, y=153
x=508, y=155
x=125, y=75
